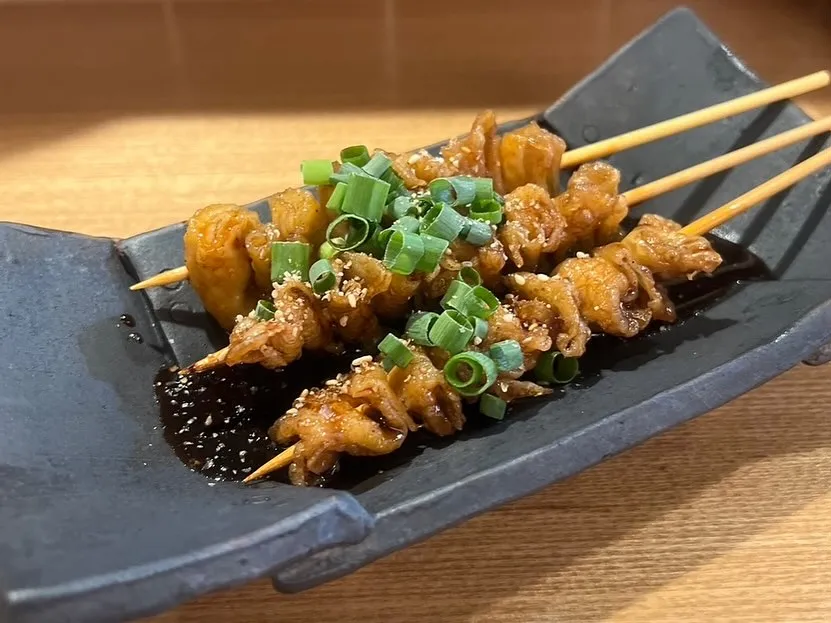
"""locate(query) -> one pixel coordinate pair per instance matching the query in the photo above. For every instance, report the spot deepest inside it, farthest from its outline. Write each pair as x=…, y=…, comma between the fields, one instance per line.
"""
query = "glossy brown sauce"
x=217, y=422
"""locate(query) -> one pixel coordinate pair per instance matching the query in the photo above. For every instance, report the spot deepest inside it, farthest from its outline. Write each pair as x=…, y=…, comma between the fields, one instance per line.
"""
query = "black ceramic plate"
x=99, y=521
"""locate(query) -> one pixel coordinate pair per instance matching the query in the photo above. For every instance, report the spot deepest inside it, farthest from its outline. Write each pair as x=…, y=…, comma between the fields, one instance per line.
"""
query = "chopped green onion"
x=377, y=165
x=454, y=191
x=346, y=169
x=395, y=351
x=470, y=276
x=317, y=172
x=336, y=200
x=492, y=407
x=406, y=223
x=357, y=232
x=322, y=276
x=489, y=211
x=403, y=252
x=388, y=365
x=423, y=204
x=554, y=367
x=418, y=327
x=402, y=206
x=507, y=355
x=291, y=258
x=355, y=154
x=264, y=310
x=478, y=301
x=455, y=295
x=434, y=248
x=479, y=233
x=365, y=197
x=470, y=373
x=480, y=330
x=327, y=251
x=442, y=221
x=397, y=188
x=452, y=331
x=484, y=188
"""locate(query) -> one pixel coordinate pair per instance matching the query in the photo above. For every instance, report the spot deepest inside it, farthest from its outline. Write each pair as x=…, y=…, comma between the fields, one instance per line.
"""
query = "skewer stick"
x=696, y=228
x=650, y=133
x=278, y=462
x=206, y=363
x=168, y=277
x=634, y=138
x=764, y=191
x=727, y=161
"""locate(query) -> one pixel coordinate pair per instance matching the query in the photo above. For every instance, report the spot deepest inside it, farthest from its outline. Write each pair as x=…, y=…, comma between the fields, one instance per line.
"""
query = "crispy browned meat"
x=591, y=206
x=298, y=324
x=571, y=332
x=488, y=260
x=658, y=244
x=475, y=153
x=218, y=265
x=533, y=226
x=530, y=155
x=258, y=243
x=297, y=215
x=395, y=302
x=533, y=337
x=509, y=389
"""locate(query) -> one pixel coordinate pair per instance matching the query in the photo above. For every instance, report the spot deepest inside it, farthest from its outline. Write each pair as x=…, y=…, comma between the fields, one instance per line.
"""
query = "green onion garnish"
x=442, y=221
x=357, y=232
x=387, y=364
x=470, y=373
x=403, y=252
x=480, y=329
x=402, y=206
x=452, y=331
x=366, y=197
x=492, y=407
x=355, y=154
x=291, y=258
x=553, y=367
x=507, y=355
x=336, y=200
x=346, y=169
x=322, y=276
x=327, y=251
x=317, y=172
x=419, y=325
x=484, y=188
x=405, y=223
x=395, y=351
x=454, y=191
x=489, y=211
x=434, y=248
x=470, y=276
x=478, y=233
x=264, y=310
x=377, y=165
x=455, y=295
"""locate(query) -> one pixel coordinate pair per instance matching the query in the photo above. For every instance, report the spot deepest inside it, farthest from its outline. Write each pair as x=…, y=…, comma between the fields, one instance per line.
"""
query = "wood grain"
x=118, y=117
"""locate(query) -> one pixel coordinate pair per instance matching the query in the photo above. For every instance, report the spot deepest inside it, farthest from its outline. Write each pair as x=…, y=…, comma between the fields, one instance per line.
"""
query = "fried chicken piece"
x=258, y=243
x=298, y=324
x=219, y=268
x=658, y=244
x=427, y=395
x=533, y=226
x=530, y=155
x=561, y=297
x=533, y=337
x=297, y=215
x=488, y=260
x=476, y=153
x=591, y=206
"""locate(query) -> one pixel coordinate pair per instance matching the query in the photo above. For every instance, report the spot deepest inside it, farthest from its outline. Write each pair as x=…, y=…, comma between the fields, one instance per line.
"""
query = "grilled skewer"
x=353, y=404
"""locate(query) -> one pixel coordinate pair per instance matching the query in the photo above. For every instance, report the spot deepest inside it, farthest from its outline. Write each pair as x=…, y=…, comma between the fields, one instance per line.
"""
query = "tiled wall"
x=122, y=56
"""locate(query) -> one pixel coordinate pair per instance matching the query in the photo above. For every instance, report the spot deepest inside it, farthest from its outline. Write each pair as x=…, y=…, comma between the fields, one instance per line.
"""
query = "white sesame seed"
x=343, y=320
x=519, y=279
x=361, y=360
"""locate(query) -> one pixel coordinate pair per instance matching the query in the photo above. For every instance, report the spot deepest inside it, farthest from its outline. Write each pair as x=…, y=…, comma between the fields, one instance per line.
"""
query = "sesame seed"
x=343, y=320
x=519, y=279
x=543, y=277
x=361, y=360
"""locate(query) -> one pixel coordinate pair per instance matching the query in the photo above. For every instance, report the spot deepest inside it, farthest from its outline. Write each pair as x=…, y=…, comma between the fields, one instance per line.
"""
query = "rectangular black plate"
x=101, y=522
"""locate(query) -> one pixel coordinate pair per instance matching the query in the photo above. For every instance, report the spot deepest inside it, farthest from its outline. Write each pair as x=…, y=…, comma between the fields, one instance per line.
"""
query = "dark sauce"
x=127, y=320
x=242, y=402
x=217, y=422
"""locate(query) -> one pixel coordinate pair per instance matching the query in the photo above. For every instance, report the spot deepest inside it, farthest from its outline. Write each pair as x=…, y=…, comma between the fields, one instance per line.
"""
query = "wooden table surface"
x=120, y=117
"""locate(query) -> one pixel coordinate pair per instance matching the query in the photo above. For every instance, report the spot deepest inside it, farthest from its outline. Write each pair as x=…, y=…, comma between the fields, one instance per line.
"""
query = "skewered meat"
x=218, y=264
x=488, y=260
x=530, y=155
x=533, y=226
x=298, y=216
x=258, y=243
x=298, y=324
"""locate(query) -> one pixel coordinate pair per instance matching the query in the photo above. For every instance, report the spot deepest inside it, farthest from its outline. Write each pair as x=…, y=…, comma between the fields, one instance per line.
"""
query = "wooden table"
x=128, y=116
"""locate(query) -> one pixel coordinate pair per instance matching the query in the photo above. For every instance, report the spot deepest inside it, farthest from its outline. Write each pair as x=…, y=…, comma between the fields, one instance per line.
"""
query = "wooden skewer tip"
x=166, y=278
x=277, y=463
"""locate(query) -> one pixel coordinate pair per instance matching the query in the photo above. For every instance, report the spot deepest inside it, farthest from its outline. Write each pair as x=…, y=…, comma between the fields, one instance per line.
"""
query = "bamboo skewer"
x=727, y=161
x=654, y=132
x=698, y=227
x=206, y=363
x=650, y=133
